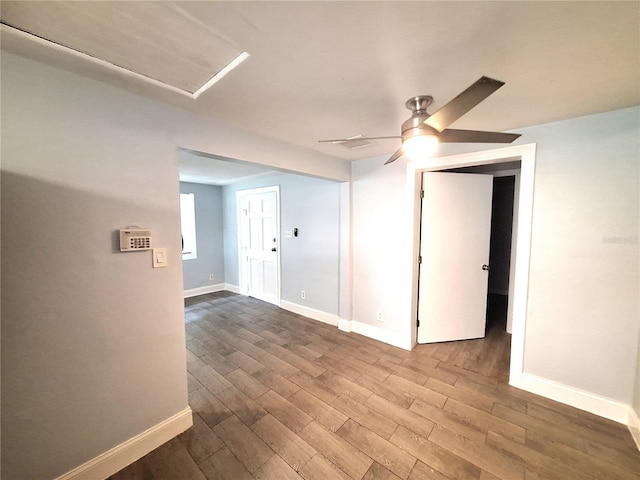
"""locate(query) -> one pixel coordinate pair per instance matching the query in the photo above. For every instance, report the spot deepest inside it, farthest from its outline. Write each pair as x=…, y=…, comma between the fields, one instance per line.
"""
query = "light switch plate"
x=159, y=257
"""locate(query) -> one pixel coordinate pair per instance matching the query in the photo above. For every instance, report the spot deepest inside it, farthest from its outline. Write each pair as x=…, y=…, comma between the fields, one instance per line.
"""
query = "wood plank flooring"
x=279, y=396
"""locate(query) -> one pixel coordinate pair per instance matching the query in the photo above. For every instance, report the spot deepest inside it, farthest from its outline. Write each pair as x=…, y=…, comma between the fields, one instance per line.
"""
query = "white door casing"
x=454, y=246
x=259, y=243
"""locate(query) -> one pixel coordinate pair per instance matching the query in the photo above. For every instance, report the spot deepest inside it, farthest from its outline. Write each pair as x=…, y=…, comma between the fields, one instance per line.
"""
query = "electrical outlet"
x=303, y=294
x=379, y=317
x=211, y=277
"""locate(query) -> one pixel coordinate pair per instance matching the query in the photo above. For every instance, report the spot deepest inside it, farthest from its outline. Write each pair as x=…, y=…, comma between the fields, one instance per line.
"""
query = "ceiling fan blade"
x=476, y=136
x=464, y=102
x=344, y=140
x=395, y=156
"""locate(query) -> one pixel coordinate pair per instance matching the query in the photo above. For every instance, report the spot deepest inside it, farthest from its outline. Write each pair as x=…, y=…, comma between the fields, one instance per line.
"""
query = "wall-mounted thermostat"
x=132, y=239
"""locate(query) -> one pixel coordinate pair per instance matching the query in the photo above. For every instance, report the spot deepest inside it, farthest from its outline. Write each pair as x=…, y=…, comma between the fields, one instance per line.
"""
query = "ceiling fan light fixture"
x=420, y=146
x=422, y=132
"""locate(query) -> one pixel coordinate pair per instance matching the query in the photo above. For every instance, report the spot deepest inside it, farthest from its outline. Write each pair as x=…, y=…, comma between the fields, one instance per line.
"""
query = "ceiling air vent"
x=356, y=142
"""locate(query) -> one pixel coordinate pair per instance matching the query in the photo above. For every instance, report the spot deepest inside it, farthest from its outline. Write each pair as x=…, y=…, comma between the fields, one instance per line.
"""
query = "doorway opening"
x=467, y=220
x=490, y=161
x=502, y=204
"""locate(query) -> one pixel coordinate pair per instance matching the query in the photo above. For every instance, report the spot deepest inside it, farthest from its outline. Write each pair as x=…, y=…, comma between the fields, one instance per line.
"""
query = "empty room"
x=317, y=240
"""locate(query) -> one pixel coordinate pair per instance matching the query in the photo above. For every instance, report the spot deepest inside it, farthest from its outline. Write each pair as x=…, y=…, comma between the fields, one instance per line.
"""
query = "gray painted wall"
x=582, y=314
x=92, y=338
x=309, y=262
x=209, y=237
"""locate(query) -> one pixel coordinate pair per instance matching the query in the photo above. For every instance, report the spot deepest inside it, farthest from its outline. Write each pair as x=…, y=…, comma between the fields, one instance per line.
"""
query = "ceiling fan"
x=424, y=131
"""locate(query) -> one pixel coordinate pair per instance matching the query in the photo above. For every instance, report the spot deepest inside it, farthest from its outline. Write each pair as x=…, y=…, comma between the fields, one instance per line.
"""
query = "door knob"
x=485, y=267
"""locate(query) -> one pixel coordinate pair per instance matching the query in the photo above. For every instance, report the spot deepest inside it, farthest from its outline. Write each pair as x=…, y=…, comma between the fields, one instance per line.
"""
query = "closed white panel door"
x=454, y=246
x=259, y=245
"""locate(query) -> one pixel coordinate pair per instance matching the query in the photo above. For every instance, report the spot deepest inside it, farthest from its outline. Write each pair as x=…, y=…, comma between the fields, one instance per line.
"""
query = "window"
x=188, y=226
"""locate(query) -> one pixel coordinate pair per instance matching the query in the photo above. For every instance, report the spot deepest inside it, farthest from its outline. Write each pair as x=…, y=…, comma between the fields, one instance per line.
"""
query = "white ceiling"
x=322, y=70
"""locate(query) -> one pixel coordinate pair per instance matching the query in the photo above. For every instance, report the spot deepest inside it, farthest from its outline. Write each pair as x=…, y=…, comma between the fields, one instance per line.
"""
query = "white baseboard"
x=634, y=426
x=231, y=288
x=111, y=461
x=344, y=325
x=575, y=397
x=194, y=292
x=319, y=315
x=374, y=332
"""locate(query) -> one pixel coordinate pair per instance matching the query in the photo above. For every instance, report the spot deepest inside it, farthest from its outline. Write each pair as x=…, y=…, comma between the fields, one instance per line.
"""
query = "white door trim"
x=242, y=274
x=527, y=156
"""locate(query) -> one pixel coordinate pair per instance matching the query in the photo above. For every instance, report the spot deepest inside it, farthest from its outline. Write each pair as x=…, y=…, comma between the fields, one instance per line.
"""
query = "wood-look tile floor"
x=279, y=396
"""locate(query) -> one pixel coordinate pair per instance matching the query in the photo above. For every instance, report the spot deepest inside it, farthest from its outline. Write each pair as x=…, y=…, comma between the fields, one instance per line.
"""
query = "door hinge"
x=419, y=259
x=421, y=193
x=418, y=323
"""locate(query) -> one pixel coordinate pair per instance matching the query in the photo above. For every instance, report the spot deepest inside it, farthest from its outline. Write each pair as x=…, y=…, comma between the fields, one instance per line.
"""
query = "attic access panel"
x=158, y=40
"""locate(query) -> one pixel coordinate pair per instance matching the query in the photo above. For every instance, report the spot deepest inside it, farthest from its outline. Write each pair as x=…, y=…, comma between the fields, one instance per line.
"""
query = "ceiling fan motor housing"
x=415, y=125
x=419, y=104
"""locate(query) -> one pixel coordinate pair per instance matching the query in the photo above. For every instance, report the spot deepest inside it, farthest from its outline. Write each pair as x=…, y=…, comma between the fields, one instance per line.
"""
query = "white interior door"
x=454, y=246
x=259, y=243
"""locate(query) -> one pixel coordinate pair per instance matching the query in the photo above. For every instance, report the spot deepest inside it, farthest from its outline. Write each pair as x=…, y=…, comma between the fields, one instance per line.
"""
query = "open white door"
x=454, y=246
x=259, y=243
